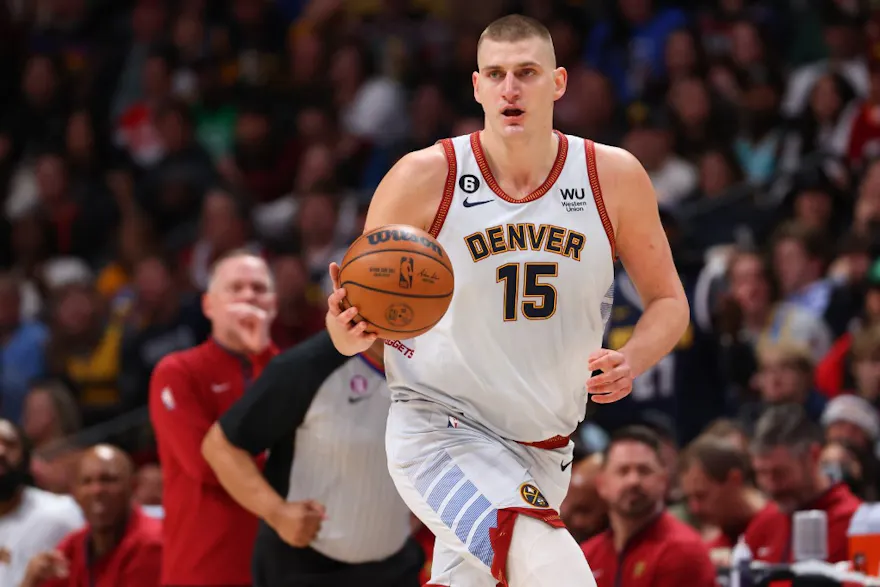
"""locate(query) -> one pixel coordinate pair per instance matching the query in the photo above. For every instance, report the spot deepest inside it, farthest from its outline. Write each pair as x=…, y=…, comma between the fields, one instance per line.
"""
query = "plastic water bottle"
x=741, y=565
x=810, y=536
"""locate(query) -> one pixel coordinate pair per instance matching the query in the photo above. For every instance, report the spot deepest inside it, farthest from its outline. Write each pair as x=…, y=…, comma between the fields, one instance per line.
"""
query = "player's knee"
x=543, y=556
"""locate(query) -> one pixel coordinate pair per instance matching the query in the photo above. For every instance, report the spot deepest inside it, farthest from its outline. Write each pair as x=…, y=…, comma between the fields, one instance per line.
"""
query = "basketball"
x=399, y=278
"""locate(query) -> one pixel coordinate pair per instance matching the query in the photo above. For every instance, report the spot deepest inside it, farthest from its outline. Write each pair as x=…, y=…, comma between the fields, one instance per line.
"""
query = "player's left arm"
x=644, y=250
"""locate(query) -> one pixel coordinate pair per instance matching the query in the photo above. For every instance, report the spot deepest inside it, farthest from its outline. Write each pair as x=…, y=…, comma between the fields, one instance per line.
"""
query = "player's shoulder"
x=611, y=160
x=624, y=183
x=411, y=191
x=427, y=165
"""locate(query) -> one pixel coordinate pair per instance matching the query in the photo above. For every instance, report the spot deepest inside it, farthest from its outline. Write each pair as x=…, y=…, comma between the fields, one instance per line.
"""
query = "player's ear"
x=560, y=82
x=475, y=78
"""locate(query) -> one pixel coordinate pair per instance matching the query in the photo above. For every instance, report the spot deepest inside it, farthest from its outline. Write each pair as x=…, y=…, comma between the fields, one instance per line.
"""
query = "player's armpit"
x=644, y=250
x=411, y=192
x=685, y=564
x=180, y=419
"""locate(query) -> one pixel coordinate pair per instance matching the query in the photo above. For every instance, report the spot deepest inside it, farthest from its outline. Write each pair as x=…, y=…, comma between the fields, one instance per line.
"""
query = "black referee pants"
x=281, y=565
x=331, y=581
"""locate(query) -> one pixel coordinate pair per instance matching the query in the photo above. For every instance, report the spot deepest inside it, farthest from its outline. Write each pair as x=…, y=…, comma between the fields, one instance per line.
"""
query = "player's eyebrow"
x=517, y=66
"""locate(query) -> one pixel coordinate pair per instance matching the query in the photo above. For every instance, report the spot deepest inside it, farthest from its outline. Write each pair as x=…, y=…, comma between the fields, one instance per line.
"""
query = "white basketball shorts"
x=468, y=486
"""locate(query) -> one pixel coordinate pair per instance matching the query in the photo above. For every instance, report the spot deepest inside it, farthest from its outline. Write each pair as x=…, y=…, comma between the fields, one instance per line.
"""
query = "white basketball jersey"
x=533, y=290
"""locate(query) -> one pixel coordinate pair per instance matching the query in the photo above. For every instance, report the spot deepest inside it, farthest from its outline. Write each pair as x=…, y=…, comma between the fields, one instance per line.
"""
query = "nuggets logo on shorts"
x=533, y=496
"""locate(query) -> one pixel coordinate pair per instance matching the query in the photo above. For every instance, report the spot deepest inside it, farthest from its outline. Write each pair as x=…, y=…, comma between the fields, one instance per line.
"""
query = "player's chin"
x=513, y=127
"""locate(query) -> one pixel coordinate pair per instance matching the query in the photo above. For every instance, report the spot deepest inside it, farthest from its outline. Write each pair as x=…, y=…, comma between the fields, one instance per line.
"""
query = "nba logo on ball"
x=406, y=272
x=358, y=384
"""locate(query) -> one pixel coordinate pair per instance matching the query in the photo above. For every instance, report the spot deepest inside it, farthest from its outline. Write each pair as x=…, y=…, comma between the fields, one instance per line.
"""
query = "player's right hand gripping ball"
x=399, y=278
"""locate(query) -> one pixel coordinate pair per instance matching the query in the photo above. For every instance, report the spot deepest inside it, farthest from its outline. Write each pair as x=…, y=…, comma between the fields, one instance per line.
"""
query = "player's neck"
x=625, y=528
x=520, y=164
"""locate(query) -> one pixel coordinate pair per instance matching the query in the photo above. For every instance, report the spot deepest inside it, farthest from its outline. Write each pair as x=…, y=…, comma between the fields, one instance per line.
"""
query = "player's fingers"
x=597, y=381
x=605, y=363
x=602, y=388
x=347, y=316
x=334, y=275
x=597, y=354
x=608, y=397
x=334, y=301
x=602, y=381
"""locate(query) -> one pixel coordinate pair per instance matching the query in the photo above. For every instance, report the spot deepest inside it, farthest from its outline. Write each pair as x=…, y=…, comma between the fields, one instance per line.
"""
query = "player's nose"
x=510, y=88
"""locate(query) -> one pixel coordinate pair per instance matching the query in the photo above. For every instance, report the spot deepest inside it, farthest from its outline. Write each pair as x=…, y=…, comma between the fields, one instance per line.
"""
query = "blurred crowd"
x=142, y=139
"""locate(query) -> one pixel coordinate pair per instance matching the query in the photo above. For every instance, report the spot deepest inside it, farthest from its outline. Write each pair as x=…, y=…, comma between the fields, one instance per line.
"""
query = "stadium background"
x=141, y=139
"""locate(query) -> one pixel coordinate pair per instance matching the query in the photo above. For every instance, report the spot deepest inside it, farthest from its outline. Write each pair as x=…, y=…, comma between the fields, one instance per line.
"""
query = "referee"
x=331, y=516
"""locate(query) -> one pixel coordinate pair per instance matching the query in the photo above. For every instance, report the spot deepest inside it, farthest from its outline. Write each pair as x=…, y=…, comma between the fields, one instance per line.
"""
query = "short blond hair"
x=514, y=27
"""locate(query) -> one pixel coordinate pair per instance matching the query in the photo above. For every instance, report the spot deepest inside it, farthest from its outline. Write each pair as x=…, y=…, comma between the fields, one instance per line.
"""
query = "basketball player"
x=483, y=404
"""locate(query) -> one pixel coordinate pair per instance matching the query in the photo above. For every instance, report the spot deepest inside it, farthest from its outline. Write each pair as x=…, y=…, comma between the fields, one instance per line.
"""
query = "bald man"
x=583, y=511
x=119, y=545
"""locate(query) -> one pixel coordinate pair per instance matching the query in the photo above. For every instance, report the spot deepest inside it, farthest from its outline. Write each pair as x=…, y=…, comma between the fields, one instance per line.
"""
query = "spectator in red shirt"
x=785, y=454
x=645, y=546
x=209, y=537
x=582, y=510
x=119, y=546
x=717, y=483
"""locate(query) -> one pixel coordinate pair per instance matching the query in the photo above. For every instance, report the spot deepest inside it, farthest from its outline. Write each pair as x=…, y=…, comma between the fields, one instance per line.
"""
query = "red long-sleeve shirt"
x=208, y=536
x=135, y=562
x=665, y=553
x=758, y=525
x=771, y=541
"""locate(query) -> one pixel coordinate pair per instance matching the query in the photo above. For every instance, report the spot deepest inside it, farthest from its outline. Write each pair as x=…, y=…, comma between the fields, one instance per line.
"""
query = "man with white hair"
x=853, y=421
x=208, y=536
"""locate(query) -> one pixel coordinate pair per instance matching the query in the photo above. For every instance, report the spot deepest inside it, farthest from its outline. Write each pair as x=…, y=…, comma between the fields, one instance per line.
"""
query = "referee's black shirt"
x=322, y=417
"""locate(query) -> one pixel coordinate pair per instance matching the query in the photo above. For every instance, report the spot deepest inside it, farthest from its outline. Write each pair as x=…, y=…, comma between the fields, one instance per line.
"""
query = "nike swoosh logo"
x=472, y=204
x=565, y=465
x=219, y=387
x=354, y=400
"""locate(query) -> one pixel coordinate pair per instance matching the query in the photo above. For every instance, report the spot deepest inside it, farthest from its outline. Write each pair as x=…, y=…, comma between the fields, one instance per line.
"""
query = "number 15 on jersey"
x=527, y=281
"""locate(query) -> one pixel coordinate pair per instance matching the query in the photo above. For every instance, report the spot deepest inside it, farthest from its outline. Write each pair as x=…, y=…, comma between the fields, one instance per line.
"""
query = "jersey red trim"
x=448, y=190
x=502, y=534
x=549, y=444
x=561, y=154
x=590, y=150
